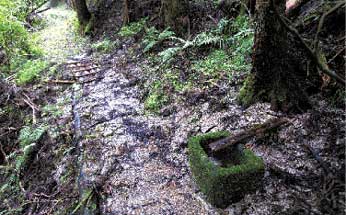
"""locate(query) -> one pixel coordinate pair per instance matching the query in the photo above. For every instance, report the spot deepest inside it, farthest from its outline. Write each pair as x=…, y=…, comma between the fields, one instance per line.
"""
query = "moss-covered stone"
x=223, y=185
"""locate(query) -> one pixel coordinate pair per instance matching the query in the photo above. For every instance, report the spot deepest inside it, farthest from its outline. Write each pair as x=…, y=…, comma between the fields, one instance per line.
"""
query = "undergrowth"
x=132, y=28
x=217, y=54
x=15, y=39
x=104, y=46
x=30, y=71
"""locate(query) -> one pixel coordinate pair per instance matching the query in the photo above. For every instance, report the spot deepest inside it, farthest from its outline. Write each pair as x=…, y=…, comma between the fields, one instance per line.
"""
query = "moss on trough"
x=223, y=185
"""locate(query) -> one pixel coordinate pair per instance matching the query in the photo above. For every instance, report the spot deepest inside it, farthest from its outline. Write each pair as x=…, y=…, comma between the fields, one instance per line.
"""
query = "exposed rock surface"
x=140, y=161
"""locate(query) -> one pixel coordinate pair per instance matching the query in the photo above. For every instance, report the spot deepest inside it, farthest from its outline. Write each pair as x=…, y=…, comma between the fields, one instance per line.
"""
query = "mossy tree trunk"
x=275, y=76
x=176, y=15
x=82, y=12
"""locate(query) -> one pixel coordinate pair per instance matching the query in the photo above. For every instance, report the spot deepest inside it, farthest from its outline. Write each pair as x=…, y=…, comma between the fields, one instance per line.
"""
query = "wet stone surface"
x=141, y=169
x=139, y=161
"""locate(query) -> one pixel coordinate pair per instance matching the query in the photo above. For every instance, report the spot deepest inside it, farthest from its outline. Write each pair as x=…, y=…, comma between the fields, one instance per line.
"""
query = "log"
x=244, y=135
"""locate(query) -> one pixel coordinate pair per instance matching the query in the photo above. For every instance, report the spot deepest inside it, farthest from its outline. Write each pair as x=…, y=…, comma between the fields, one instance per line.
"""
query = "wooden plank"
x=244, y=135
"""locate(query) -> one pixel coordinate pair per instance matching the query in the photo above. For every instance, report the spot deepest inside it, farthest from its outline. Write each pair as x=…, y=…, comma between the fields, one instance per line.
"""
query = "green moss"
x=156, y=98
x=246, y=94
x=223, y=185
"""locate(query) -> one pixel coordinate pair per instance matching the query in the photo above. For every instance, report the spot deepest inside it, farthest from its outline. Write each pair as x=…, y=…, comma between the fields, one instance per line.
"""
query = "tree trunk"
x=176, y=15
x=275, y=75
x=82, y=12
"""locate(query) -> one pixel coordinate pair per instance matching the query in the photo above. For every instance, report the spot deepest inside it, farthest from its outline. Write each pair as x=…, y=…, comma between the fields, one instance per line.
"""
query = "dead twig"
x=337, y=54
x=32, y=106
x=60, y=82
x=258, y=130
x=315, y=58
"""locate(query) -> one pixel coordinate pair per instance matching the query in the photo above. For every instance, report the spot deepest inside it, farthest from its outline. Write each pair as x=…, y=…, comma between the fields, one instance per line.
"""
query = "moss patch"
x=223, y=185
x=246, y=94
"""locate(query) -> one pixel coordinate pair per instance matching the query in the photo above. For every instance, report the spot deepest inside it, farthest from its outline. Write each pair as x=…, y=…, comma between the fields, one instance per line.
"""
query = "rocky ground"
x=137, y=162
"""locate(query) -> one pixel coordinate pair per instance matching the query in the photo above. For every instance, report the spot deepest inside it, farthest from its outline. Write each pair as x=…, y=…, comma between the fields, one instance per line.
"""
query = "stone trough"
x=225, y=176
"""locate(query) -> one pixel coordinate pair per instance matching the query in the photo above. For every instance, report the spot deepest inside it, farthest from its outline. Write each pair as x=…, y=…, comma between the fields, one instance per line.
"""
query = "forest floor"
x=138, y=161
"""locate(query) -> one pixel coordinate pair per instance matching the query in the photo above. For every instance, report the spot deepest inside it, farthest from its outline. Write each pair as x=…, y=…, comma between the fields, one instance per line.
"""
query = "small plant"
x=30, y=70
x=30, y=135
x=153, y=37
x=104, y=46
x=53, y=110
x=216, y=62
x=28, y=138
x=171, y=78
x=156, y=98
x=132, y=28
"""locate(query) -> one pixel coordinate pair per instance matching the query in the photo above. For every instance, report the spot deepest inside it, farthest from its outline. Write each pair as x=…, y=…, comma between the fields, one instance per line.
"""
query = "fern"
x=205, y=38
x=168, y=54
x=154, y=37
x=30, y=135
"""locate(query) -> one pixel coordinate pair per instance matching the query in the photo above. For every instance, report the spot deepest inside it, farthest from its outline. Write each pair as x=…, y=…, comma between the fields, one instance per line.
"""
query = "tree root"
x=312, y=54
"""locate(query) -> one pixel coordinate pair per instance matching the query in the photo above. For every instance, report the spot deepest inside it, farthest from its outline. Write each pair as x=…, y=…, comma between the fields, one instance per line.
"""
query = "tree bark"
x=82, y=12
x=275, y=76
x=176, y=15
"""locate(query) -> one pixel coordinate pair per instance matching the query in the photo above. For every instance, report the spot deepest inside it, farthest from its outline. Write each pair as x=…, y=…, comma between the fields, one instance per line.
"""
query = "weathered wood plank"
x=246, y=134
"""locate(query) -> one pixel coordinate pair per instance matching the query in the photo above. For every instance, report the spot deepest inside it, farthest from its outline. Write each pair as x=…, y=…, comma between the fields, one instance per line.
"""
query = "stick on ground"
x=269, y=125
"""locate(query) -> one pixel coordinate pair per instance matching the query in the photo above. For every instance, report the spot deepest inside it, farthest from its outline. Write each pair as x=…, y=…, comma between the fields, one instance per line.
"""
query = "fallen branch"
x=33, y=107
x=38, y=7
x=60, y=82
x=257, y=130
x=337, y=54
x=43, y=10
x=315, y=58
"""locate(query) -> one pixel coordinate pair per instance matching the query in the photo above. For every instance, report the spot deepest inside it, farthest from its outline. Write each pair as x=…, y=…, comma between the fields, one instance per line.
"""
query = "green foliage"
x=30, y=70
x=236, y=35
x=230, y=44
x=104, y=46
x=216, y=62
x=132, y=28
x=27, y=140
x=168, y=54
x=156, y=98
x=53, y=110
x=171, y=78
x=15, y=40
x=10, y=190
x=153, y=37
x=223, y=185
x=29, y=135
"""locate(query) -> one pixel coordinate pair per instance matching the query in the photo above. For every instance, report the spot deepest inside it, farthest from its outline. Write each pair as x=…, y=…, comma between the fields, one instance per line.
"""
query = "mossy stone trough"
x=221, y=179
